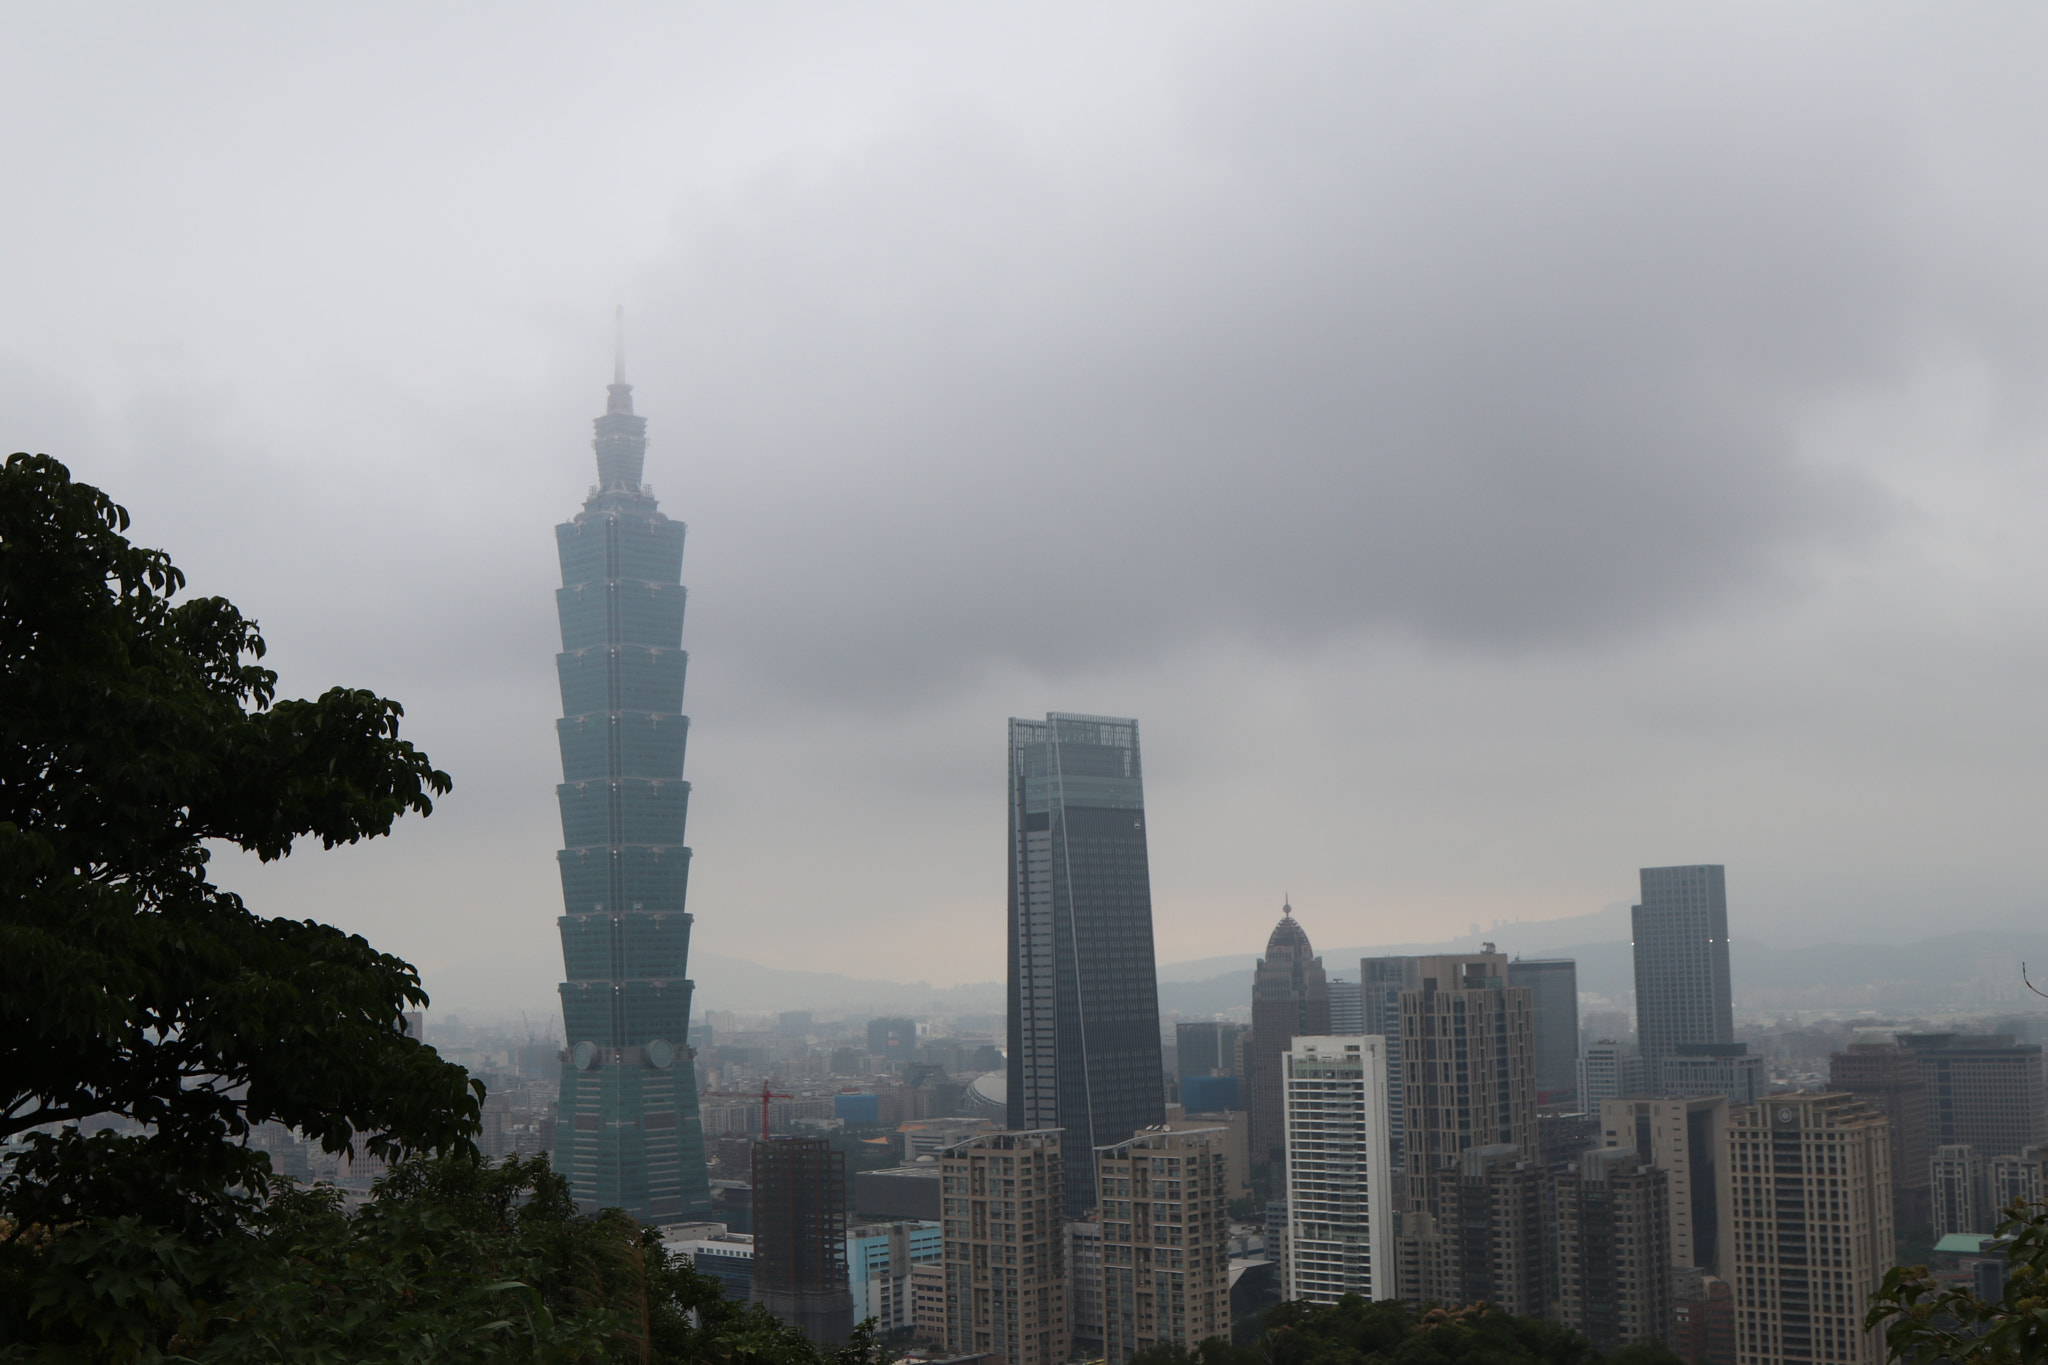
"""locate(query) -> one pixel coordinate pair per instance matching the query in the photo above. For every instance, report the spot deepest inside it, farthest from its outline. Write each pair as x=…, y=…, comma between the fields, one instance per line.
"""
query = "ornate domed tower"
x=1290, y=999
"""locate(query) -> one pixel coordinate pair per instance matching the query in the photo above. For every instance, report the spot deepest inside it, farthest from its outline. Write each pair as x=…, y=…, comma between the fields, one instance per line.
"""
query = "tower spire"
x=621, y=442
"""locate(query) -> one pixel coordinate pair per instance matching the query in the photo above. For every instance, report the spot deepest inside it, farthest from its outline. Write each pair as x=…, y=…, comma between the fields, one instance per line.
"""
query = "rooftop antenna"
x=619, y=344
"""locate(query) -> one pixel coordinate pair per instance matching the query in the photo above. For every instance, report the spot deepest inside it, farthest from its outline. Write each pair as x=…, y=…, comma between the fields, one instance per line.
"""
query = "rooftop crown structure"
x=628, y=1134
x=1290, y=999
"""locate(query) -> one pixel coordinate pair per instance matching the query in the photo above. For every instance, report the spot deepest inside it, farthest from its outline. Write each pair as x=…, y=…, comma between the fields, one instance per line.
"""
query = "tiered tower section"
x=628, y=1134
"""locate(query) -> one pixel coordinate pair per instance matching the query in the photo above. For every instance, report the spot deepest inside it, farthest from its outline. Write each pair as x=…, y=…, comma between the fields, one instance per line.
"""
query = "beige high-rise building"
x=1468, y=1051
x=1807, y=1209
x=1613, y=1248
x=1165, y=1218
x=928, y=1302
x=1084, y=1286
x=1687, y=1140
x=1006, y=1257
x=1236, y=1124
x=1887, y=1077
x=1469, y=1143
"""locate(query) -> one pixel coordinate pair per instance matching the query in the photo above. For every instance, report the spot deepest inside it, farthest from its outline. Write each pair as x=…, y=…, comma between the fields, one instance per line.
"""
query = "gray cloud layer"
x=1517, y=409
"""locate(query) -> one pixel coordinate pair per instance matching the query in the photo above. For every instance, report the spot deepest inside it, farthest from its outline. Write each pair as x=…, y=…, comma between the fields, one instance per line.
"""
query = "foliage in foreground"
x=135, y=728
x=451, y=1261
x=1926, y=1321
x=1352, y=1332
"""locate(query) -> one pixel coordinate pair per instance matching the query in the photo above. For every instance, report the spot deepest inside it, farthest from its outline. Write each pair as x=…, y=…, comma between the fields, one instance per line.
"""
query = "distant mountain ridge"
x=503, y=986
x=1977, y=969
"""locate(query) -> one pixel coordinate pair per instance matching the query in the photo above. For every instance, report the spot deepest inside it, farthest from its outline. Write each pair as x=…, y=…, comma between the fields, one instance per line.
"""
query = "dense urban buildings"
x=1084, y=1045
x=1726, y=1069
x=1290, y=999
x=1554, y=986
x=1983, y=1091
x=1489, y=1239
x=1613, y=1236
x=1956, y=1188
x=1206, y=1048
x=799, y=1214
x=1702, y=1319
x=1006, y=1232
x=1887, y=1077
x=627, y=1132
x=1681, y=949
x=2023, y=1176
x=1340, y=1171
x=892, y=1040
x=1347, y=1008
x=928, y=1302
x=1469, y=1053
x=879, y=1259
x=1380, y=983
x=1164, y=1209
x=1473, y=1186
x=1235, y=1126
x=1687, y=1139
x=1084, y=1286
x=1607, y=1071
x=1807, y=1211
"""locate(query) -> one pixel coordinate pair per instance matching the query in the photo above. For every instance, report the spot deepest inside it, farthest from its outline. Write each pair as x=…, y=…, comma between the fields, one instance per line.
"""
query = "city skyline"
x=1498, y=467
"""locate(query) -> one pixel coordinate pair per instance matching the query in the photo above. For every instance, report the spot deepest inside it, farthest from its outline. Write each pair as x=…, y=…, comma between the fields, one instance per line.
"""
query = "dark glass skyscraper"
x=1555, y=982
x=1681, y=946
x=628, y=1134
x=1084, y=995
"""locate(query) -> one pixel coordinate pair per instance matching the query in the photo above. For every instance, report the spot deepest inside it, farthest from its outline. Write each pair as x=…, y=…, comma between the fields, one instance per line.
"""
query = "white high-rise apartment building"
x=1340, y=1170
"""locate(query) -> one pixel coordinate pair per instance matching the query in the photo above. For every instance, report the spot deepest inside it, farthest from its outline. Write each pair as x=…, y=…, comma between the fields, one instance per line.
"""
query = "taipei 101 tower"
x=628, y=1135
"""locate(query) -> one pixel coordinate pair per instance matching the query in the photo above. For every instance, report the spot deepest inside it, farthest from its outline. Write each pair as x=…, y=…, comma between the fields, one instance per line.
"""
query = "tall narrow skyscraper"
x=1084, y=993
x=628, y=1134
x=1681, y=947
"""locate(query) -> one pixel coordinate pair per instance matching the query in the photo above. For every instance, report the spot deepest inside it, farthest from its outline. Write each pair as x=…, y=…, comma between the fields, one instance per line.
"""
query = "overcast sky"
x=1489, y=447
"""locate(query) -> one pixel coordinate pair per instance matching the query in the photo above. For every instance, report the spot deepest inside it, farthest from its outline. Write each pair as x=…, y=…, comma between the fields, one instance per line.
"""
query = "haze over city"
x=1492, y=450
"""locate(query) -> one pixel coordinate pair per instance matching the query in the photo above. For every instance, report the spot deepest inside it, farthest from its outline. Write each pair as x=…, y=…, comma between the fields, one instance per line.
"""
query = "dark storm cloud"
x=1507, y=354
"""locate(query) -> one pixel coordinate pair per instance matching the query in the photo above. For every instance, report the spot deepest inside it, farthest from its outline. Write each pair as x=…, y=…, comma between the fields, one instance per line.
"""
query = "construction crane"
x=766, y=1094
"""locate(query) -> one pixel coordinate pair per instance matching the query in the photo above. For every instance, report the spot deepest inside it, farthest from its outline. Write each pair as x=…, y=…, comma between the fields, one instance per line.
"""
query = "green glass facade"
x=628, y=1134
